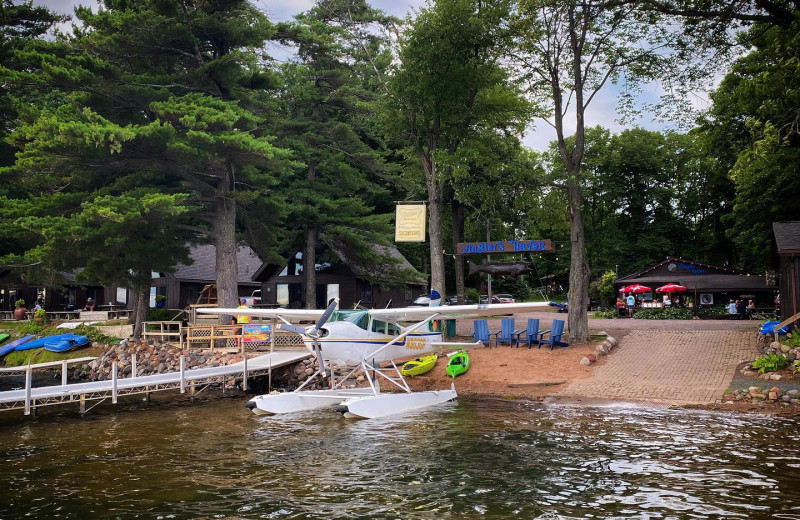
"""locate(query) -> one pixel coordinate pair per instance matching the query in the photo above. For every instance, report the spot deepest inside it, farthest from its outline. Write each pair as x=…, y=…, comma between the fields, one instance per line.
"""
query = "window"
x=283, y=295
x=365, y=292
x=333, y=291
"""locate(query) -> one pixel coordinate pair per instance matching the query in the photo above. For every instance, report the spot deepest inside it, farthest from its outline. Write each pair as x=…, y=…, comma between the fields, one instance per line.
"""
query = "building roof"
x=204, y=267
x=268, y=271
x=704, y=282
x=678, y=260
x=787, y=237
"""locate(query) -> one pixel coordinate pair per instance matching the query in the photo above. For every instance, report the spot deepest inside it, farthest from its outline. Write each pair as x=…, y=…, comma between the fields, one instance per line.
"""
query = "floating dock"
x=30, y=398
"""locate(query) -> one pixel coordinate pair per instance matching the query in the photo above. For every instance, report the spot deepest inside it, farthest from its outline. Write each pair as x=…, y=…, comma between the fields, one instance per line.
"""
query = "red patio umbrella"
x=635, y=289
x=671, y=288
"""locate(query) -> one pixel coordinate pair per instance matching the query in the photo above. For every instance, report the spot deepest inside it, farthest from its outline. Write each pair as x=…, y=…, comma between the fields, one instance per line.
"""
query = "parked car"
x=453, y=300
x=503, y=298
x=485, y=299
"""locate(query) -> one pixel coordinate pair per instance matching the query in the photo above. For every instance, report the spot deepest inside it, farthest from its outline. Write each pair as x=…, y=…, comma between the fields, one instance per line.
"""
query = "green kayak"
x=458, y=364
x=3, y=337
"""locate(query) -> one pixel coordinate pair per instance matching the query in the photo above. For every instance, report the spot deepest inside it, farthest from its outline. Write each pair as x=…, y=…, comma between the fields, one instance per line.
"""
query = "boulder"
x=775, y=377
x=585, y=361
x=591, y=357
x=612, y=340
x=785, y=348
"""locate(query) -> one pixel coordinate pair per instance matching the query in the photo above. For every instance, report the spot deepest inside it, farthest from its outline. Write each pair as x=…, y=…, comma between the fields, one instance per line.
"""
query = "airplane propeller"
x=314, y=332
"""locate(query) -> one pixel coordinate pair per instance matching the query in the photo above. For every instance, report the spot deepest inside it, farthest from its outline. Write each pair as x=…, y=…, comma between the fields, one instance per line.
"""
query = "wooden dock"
x=29, y=398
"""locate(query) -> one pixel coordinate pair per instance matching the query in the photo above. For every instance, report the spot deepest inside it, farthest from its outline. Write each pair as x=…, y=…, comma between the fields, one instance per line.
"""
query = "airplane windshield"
x=358, y=318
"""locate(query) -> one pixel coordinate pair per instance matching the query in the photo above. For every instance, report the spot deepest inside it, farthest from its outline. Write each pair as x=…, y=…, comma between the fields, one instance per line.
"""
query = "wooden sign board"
x=505, y=246
x=410, y=223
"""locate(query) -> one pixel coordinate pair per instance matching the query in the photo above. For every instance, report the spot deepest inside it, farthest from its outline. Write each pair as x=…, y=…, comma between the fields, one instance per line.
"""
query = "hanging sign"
x=505, y=246
x=410, y=223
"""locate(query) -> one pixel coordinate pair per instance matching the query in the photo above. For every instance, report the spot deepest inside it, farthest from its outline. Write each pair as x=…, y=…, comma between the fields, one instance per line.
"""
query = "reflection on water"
x=471, y=459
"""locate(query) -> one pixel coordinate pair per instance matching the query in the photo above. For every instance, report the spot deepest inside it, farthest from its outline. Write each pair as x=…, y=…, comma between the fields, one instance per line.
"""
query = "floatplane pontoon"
x=367, y=338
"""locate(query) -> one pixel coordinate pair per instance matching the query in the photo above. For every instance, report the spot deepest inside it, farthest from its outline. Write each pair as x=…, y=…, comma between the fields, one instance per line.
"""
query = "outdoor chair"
x=482, y=332
x=555, y=336
x=531, y=335
x=506, y=333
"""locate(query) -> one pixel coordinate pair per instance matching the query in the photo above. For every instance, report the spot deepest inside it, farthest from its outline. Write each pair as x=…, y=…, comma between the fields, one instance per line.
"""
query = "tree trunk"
x=435, y=234
x=139, y=305
x=458, y=236
x=579, y=269
x=309, y=270
x=227, y=266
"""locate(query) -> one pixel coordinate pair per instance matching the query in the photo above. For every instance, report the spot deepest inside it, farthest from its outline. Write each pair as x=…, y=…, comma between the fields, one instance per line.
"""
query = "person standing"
x=732, y=308
x=631, y=301
x=741, y=309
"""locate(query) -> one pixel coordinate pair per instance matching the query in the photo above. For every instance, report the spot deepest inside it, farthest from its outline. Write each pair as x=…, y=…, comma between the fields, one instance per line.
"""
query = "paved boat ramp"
x=30, y=398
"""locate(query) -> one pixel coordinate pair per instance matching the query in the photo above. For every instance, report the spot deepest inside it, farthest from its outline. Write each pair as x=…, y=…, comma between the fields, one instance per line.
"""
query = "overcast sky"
x=602, y=111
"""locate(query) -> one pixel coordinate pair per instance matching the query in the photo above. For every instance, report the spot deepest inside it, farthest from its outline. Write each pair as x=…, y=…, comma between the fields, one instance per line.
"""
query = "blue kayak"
x=32, y=344
x=11, y=347
x=65, y=342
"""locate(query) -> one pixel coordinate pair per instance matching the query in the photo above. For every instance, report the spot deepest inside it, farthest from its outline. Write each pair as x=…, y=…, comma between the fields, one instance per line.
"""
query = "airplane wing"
x=455, y=311
x=287, y=314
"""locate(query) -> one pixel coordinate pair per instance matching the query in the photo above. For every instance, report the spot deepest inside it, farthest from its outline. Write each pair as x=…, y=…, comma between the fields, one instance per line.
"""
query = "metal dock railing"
x=30, y=398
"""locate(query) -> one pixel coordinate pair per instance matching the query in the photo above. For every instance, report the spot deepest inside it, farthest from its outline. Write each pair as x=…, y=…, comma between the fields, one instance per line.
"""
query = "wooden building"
x=787, y=238
x=63, y=293
x=707, y=285
x=183, y=286
x=282, y=285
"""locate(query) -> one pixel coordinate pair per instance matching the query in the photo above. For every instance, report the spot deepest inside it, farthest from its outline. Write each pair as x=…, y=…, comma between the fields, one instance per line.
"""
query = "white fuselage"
x=346, y=343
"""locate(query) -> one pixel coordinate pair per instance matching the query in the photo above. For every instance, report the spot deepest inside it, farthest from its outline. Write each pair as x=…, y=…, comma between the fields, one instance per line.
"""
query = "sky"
x=602, y=111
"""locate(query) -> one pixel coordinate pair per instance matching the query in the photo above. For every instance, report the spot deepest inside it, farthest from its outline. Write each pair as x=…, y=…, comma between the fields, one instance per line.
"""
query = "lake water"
x=470, y=459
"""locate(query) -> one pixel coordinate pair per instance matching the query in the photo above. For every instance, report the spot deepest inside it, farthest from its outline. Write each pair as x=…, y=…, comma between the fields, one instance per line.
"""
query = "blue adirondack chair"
x=531, y=335
x=506, y=333
x=555, y=336
x=482, y=332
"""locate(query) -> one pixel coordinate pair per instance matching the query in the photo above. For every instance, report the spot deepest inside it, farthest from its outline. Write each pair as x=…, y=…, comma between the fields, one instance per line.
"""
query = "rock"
x=360, y=379
x=785, y=348
x=775, y=389
x=786, y=398
x=591, y=357
x=585, y=361
x=775, y=377
x=612, y=340
x=608, y=345
x=754, y=390
x=601, y=352
x=308, y=371
x=162, y=367
x=773, y=396
x=776, y=346
x=793, y=392
x=795, y=401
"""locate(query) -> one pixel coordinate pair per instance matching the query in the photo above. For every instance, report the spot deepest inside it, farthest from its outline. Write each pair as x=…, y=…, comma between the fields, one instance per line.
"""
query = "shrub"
x=611, y=313
x=770, y=363
x=162, y=314
x=472, y=295
x=19, y=303
x=40, y=314
x=712, y=312
x=663, y=314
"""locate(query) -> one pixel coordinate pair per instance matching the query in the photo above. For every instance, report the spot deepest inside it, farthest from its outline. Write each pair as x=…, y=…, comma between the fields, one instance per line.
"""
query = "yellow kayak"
x=419, y=366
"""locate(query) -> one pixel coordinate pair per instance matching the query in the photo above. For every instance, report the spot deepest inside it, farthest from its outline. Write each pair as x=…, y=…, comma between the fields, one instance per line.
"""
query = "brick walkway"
x=677, y=367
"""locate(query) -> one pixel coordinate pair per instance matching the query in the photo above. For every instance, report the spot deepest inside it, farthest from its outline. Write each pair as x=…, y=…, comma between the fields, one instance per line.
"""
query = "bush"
x=472, y=295
x=663, y=314
x=712, y=312
x=19, y=303
x=770, y=363
x=611, y=313
x=41, y=313
x=162, y=314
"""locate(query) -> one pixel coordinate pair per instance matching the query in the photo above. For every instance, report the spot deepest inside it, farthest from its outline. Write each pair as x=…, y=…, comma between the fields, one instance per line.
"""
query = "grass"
x=40, y=355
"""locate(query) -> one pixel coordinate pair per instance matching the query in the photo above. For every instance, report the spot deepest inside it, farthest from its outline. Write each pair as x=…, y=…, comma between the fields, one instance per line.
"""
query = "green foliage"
x=40, y=355
x=41, y=313
x=713, y=312
x=19, y=303
x=472, y=295
x=602, y=288
x=663, y=314
x=154, y=314
x=609, y=314
x=770, y=363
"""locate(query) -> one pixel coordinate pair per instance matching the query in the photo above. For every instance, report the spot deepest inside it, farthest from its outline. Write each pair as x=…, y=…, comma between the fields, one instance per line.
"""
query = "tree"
x=450, y=82
x=567, y=52
x=162, y=95
x=329, y=94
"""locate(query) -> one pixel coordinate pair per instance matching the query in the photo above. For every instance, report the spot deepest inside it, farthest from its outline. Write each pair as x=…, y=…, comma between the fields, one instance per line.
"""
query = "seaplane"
x=371, y=339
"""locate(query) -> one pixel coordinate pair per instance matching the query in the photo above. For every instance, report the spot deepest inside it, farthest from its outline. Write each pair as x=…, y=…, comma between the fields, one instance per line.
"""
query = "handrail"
x=782, y=324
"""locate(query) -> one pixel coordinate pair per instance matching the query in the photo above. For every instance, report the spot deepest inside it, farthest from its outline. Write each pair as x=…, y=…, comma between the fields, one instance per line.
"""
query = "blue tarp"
x=769, y=328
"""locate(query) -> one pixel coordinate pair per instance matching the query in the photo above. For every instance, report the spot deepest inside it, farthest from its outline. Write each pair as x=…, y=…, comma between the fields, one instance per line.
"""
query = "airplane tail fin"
x=436, y=298
x=473, y=268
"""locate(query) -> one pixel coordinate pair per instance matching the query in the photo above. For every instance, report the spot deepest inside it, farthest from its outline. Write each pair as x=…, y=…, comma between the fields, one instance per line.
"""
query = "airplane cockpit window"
x=379, y=326
x=358, y=318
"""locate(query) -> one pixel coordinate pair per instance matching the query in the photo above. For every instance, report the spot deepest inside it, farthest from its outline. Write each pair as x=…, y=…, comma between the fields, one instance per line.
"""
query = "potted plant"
x=39, y=316
x=20, y=311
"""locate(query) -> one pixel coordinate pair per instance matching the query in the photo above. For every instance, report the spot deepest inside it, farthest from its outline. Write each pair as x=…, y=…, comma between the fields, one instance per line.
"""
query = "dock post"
x=28, y=383
x=192, y=388
x=83, y=404
x=133, y=365
x=269, y=377
x=64, y=373
x=114, y=382
x=244, y=375
x=272, y=335
x=183, y=374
